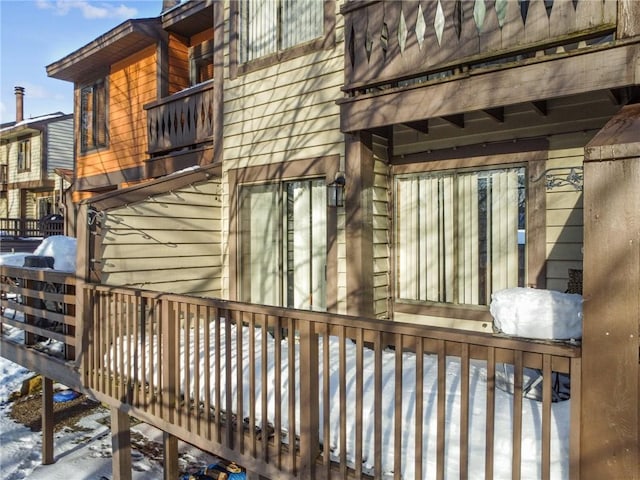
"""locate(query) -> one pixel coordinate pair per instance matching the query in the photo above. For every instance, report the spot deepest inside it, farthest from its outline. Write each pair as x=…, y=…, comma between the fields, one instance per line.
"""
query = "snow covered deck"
x=360, y=397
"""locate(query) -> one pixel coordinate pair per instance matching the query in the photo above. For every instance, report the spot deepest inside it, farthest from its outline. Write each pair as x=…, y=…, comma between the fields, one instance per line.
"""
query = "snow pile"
x=13, y=259
x=62, y=249
x=533, y=313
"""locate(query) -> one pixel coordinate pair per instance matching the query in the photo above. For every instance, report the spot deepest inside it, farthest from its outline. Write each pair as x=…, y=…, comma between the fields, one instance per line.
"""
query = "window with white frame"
x=93, y=116
x=460, y=235
x=283, y=244
x=24, y=155
x=269, y=26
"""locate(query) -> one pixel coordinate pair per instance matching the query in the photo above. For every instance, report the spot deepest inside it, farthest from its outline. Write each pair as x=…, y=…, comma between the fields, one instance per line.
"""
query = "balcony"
x=180, y=130
x=392, y=41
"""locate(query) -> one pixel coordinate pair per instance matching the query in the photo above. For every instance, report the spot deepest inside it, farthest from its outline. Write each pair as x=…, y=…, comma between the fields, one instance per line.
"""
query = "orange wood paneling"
x=178, y=63
x=132, y=83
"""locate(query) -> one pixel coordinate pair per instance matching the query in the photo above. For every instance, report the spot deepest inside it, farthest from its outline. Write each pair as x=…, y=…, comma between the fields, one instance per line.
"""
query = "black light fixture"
x=335, y=191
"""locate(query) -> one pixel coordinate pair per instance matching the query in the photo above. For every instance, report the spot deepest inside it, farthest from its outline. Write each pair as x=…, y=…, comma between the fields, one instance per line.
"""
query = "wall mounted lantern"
x=335, y=191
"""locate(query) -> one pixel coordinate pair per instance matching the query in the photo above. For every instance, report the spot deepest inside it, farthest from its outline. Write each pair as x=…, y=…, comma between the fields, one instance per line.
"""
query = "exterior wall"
x=59, y=146
x=28, y=178
x=178, y=63
x=381, y=234
x=564, y=220
x=285, y=112
x=171, y=242
x=131, y=84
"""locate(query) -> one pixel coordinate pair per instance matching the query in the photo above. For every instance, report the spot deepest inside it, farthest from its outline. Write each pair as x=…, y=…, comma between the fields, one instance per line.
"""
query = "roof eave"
x=120, y=42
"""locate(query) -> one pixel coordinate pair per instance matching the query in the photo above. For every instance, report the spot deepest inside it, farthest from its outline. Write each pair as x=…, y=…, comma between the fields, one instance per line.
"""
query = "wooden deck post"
x=359, y=224
x=170, y=444
x=121, y=445
x=610, y=424
x=309, y=400
x=47, y=421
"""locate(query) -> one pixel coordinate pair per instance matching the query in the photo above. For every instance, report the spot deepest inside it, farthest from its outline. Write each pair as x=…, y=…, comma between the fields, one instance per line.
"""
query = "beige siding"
x=381, y=236
x=171, y=242
x=285, y=112
x=564, y=221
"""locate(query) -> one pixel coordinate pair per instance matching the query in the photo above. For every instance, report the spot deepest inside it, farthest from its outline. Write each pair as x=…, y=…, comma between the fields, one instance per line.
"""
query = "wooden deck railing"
x=390, y=41
x=40, y=306
x=30, y=227
x=181, y=120
x=298, y=394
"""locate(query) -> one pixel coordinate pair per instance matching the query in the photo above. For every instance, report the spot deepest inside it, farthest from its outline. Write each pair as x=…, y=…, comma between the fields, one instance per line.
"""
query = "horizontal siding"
x=287, y=111
x=170, y=242
x=178, y=64
x=59, y=145
x=564, y=231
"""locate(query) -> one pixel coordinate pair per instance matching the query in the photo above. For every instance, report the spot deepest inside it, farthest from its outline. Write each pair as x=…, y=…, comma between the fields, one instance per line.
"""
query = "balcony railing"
x=391, y=41
x=183, y=120
x=31, y=227
x=297, y=394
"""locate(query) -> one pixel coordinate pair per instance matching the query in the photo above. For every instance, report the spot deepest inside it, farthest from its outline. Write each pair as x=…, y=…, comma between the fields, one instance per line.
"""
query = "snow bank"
x=62, y=249
x=534, y=313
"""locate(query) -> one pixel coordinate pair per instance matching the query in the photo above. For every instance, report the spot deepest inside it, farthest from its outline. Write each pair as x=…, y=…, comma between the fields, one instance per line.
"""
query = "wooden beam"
x=421, y=126
x=170, y=444
x=456, y=120
x=496, y=113
x=120, y=445
x=47, y=421
x=540, y=106
x=569, y=75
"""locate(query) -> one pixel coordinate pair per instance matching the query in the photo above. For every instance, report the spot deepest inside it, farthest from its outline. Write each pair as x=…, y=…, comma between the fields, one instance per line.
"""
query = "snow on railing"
x=316, y=395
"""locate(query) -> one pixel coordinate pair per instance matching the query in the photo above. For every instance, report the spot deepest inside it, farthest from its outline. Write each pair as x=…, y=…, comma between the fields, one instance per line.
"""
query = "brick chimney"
x=167, y=4
x=19, y=104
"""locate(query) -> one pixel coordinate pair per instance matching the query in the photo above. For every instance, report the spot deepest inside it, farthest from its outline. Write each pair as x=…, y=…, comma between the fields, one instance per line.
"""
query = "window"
x=283, y=244
x=201, y=58
x=269, y=26
x=460, y=235
x=24, y=155
x=93, y=116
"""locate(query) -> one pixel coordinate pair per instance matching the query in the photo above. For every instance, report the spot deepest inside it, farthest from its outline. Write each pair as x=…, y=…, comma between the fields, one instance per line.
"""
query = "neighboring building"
x=30, y=150
x=472, y=147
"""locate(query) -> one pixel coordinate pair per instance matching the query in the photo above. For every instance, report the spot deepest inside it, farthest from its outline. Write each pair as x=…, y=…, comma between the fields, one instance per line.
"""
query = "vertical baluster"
x=398, y=420
x=442, y=390
x=359, y=409
x=377, y=405
x=464, y=411
x=419, y=393
x=252, y=384
x=546, y=417
x=343, y=400
x=278, y=392
x=264, y=389
x=517, y=415
x=292, y=381
x=491, y=411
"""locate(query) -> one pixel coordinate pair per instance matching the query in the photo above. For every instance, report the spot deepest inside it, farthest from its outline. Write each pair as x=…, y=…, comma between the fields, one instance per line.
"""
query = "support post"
x=309, y=397
x=47, y=421
x=120, y=445
x=170, y=444
x=359, y=224
x=610, y=419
